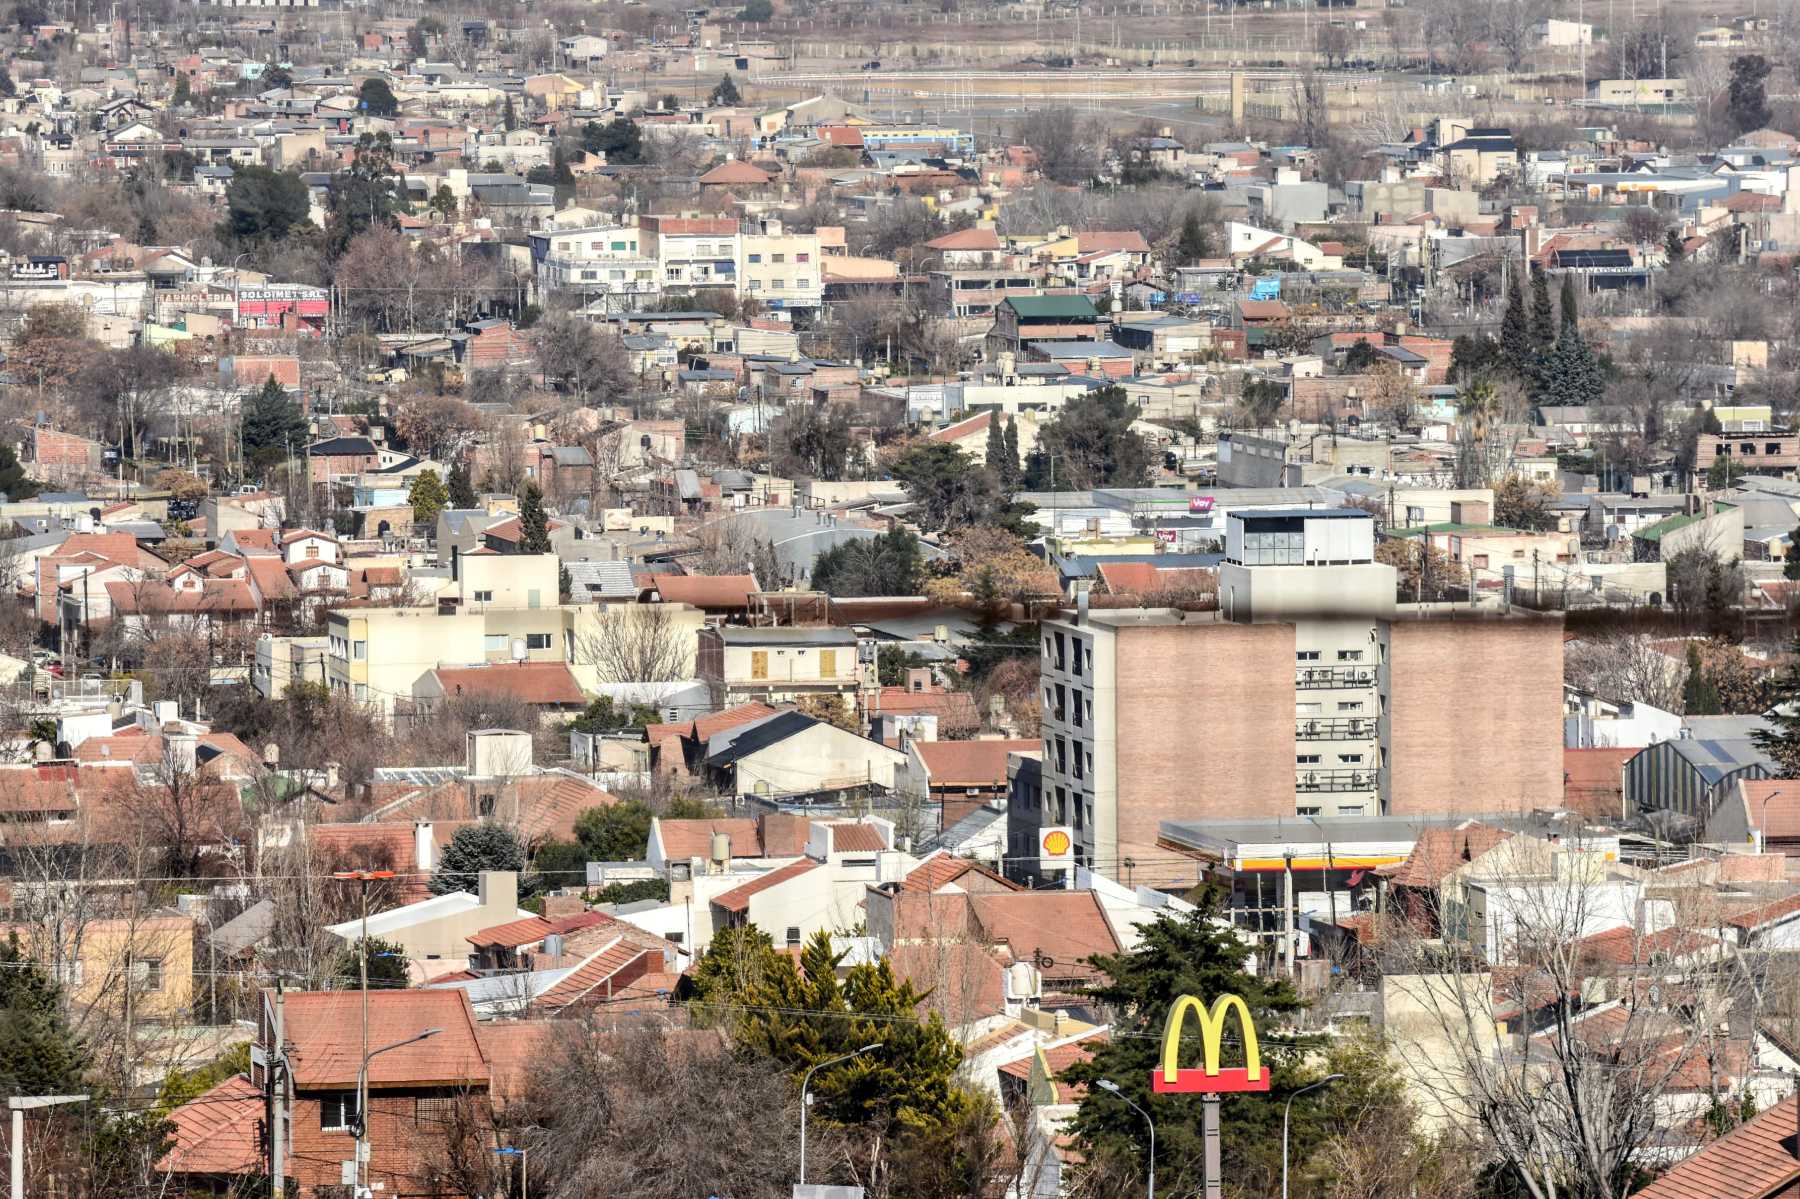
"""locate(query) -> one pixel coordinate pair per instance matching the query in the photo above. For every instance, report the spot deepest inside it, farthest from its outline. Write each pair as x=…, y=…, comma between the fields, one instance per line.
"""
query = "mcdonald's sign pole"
x=1212, y=1079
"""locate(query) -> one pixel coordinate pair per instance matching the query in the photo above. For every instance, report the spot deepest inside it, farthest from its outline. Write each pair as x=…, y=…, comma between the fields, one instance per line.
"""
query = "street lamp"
x=363, y=878
x=1287, y=1111
x=806, y=1081
x=1108, y=1085
x=1762, y=822
x=362, y=1101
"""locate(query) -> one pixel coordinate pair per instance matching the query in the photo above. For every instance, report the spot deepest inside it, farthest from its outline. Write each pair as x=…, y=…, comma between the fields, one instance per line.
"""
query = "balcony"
x=1334, y=780
x=1355, y=728
x=1324, y=678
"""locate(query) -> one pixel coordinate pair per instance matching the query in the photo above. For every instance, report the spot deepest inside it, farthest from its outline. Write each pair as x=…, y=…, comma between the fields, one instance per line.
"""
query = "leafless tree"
x=637, y=643
x=652, y=1112
x=1562, y=1065
x=1625, y=667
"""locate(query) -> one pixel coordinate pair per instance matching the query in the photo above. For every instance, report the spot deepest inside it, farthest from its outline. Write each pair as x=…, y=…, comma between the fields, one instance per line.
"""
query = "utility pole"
x=363, y=878
x=277, y=1068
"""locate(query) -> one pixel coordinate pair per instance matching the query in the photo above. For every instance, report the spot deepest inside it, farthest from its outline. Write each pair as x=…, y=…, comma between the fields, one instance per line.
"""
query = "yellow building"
x=146, y=962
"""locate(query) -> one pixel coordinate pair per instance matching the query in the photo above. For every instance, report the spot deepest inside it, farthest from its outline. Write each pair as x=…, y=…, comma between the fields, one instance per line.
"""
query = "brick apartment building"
x=1308, y=693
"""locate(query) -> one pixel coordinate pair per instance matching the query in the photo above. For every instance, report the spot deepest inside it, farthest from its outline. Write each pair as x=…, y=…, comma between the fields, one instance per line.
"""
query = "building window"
x=756, y=258
x=147, y=973
x=1307, y=655
x=1350, y=705
x=312, y=550
x=484, y=597
x=337, y=1111
x=359, y=650
x=808, y=258
x=436, y=1110
x=1349, y=655
x=778, y=284
x=778, y=258
x=793, y=935
x=1306, y=811
x=537, y=641
x=1351, y=759
x=1306, y=759
x=360, y=691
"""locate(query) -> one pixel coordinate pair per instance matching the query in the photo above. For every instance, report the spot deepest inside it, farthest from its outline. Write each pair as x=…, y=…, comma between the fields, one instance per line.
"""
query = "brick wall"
x=406, y=1139
x=1205, y=727
x=58, y=457
x=1476, y=715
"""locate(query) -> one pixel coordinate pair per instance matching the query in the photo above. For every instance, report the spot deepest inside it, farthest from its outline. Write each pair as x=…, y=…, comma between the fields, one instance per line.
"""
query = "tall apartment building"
x=781, y=269
x=606, y=265
x=1309, y=692
x=695, y=251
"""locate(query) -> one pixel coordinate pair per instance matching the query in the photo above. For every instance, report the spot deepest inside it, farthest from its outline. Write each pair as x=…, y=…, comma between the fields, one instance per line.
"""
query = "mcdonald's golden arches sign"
x=1211, y=1079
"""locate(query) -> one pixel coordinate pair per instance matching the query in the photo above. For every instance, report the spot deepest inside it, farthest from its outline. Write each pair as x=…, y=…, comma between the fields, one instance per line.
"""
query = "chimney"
x=424, y=846
x=500, y=889
x=181, y=749
x=558, y=907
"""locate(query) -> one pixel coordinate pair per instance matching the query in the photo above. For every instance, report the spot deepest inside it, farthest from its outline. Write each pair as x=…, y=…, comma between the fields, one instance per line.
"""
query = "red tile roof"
x=1067, y=925
x=216, y=1132
x=1624, y=946
x=541, y=683
x=705, y=591
x=966, y=239
x=534, y=929
x=1765, y=913
x=598, y=972
x=939, y=871
x=736, y=170
x=852, y=837
x=1147, y=578
x=971, y=763
x=738, y=898
x=954, y=709
x=1438, y=851
x=1128, y=241
x=1593, y=781
x=1753, y=1160
x=515, y=1050
x=324, y=1030
x=1776, y=801
x=704, y=727
x=775, y=835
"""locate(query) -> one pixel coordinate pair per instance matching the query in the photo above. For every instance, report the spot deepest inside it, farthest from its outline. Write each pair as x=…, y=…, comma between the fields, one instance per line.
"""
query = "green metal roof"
x=1053, y=306
x=1670, y=524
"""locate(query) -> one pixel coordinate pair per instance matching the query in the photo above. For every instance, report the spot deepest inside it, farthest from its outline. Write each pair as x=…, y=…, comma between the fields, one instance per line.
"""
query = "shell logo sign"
x=1211, y=1079
x=1056, y=848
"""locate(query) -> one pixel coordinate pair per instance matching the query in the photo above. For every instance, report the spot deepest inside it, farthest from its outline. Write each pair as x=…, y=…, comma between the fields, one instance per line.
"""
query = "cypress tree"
x=1543, y=316
x=1571, y=315
x=534, y=523
x=1699, y=697
x=996, y=444
x=462, y=489
x=1515, y=329
x=1010, y=463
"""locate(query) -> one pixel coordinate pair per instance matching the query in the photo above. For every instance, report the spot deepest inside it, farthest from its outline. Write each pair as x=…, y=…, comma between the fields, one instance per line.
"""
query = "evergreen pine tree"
x=1571, y=315
x=1515, y=329
x=1790, y=566
x=1193, y=243
x=462, y=489
x=1673, y=249
x=478, y=847
x=1699, y=696
x=996, y=444
x=1543, y=315
x=508, y=119
x=534, y=523
x=1009, y=475
x=39, y=1053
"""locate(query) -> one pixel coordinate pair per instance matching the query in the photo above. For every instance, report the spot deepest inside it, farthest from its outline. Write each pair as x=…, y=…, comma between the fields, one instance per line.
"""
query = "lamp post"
x=362, y=1101
x=1762, y=822
x=1108, y=1085
x=806, y=1081
x=1287, y=1111
x=363, y=878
